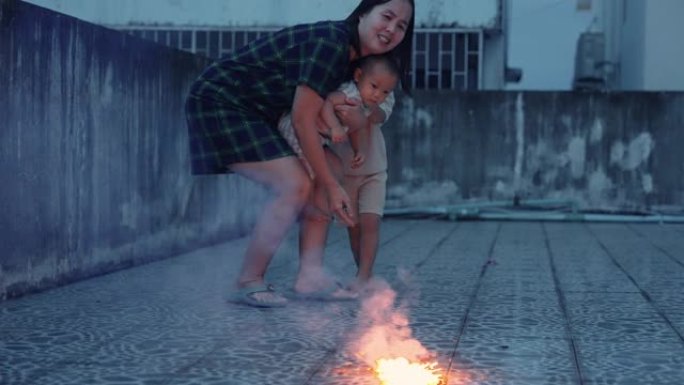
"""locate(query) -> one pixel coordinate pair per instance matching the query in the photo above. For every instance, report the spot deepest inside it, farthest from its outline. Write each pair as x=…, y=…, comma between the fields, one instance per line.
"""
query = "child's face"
x=374, y=85
x=384, y=27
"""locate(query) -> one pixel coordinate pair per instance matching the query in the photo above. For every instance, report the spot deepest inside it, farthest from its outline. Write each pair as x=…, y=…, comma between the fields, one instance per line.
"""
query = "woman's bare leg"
x=291, y=187
x=313, y=234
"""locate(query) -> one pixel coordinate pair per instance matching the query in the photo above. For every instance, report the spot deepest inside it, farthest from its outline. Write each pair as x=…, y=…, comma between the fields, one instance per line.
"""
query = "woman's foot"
x=258, y=294
x=320, y=286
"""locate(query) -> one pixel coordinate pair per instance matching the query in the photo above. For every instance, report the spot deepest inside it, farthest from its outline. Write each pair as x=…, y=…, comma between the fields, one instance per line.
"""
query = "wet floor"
x=494, y=303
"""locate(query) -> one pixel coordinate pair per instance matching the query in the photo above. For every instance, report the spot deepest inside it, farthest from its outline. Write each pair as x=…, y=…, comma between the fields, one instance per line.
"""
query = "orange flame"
x=400, y=371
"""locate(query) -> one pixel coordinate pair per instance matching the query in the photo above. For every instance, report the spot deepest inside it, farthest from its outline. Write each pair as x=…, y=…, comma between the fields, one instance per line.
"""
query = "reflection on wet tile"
x=631, y=363
x=528, y=314
x=495, y=360
x=616, y=317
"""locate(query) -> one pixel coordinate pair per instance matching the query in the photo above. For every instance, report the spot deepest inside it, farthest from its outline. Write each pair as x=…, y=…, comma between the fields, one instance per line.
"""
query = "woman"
x=233, y=109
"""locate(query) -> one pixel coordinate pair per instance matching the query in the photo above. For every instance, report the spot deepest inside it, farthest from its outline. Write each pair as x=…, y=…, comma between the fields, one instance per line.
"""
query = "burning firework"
x=400, y=371
x=385, y=343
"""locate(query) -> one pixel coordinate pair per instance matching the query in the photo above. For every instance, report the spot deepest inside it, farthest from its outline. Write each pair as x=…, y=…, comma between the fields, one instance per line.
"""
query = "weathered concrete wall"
x=603, y=151
x=93, y=158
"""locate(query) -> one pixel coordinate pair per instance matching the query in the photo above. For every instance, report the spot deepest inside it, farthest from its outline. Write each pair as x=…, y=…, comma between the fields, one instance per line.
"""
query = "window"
x=443, y=58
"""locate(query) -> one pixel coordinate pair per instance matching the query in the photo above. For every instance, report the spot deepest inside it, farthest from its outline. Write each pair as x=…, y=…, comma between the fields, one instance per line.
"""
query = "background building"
x=542, y=39
x=459, y=44
x=633, y=45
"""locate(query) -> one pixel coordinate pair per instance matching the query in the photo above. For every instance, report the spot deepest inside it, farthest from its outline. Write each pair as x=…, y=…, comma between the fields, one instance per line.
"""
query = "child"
x=365, y=183
x=363, y=157
x=377, y=75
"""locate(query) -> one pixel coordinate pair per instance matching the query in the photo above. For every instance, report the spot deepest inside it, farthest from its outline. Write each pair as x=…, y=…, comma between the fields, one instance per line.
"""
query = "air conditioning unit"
x=589, y=62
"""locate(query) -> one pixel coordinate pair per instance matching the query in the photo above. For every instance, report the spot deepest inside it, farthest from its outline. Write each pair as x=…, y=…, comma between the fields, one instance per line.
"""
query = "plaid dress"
x=233, y=107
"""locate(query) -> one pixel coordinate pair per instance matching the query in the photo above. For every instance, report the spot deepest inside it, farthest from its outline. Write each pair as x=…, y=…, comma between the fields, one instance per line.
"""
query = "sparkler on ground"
x=384, y=342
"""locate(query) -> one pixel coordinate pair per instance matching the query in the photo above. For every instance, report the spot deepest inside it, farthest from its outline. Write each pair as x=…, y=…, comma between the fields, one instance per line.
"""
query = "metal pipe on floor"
x=575, y=217
x=545, y=210
x=468, y=207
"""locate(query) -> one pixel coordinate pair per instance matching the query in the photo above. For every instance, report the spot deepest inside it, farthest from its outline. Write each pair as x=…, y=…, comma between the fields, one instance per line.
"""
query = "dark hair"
x=402, y=52
x=387, y=60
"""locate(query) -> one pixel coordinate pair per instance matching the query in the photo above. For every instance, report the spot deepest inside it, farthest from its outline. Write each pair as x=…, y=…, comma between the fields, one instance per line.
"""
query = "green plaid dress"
x=234, y=106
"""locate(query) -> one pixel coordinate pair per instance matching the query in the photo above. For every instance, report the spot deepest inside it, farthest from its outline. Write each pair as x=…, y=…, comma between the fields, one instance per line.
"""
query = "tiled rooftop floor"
x=497, y=302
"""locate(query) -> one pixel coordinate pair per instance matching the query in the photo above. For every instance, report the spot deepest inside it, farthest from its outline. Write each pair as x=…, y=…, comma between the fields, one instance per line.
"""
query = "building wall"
x=429, y=13
x=640, y=37
x=187, y=17
x=610, y=18
x=543, y=37
x=664, y=53
x=494, y=63
x=632, y=41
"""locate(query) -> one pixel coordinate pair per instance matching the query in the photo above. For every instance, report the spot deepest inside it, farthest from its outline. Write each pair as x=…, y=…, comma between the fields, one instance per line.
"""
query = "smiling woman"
x=232, y=111
x=384, y=28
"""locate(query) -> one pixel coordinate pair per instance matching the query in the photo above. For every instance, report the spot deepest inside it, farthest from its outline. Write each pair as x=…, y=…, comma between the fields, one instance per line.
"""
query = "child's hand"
x=358, y=160
x=350, y=112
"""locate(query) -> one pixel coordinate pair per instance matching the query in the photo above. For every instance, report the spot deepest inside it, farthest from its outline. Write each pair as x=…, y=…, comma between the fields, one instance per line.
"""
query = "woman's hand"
x=340, y=204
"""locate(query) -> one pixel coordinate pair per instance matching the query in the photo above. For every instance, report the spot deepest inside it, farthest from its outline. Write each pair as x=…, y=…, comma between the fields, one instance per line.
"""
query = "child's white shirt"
x=376, y=153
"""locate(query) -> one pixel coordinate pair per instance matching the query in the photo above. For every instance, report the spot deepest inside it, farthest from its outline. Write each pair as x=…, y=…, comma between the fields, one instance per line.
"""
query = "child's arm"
x=336, y=131
x=377, y=115
x=358, y=139
x=351, y=114
x=384, y=109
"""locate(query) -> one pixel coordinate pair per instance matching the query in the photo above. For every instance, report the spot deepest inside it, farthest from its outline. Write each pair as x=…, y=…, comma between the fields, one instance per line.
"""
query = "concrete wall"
x=93, y=158
x=95, y=177
x=615, y=151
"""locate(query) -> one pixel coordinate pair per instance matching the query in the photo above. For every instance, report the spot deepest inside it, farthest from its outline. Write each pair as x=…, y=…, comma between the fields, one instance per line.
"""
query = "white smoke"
x=383, y=330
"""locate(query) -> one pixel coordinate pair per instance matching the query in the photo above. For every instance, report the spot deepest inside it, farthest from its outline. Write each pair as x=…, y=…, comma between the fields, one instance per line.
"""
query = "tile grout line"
x=643, y=292
x=563, y=307
x=472, y=299
x=657, y=247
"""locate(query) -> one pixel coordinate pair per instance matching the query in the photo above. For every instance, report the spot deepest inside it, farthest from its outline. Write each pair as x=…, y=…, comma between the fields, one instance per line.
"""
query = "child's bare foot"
x=358, y=286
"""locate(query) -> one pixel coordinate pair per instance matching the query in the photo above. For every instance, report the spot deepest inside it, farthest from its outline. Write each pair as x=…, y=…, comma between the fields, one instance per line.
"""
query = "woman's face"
x=384, y=27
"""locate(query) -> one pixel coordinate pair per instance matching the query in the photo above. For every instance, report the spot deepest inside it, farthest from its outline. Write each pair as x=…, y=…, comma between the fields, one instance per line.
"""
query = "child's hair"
x=402, y=52
x=387, y=61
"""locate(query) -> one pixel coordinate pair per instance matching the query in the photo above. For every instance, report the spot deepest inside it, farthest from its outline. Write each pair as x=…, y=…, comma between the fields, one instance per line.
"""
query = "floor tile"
x=493, y=302
x=628, y=363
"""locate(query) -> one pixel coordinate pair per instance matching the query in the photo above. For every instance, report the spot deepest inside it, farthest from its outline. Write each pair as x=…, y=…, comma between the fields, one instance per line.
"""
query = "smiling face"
x=384, y=27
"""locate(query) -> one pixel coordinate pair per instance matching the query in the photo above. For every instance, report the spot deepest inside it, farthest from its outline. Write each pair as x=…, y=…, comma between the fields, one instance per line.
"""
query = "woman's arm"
x=305, y=110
